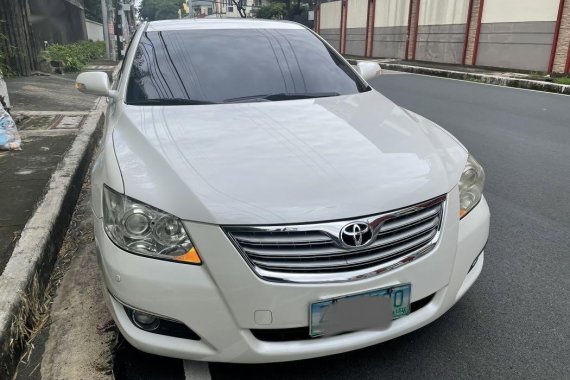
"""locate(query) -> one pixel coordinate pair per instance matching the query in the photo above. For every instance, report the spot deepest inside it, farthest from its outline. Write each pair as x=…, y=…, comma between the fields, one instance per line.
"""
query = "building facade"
x=29, y=25
x=16, y=41
x=513, y=34
x=226, y=8
x=57, y=21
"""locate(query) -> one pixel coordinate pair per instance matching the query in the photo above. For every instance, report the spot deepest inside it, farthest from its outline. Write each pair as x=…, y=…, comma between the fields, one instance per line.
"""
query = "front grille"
x=314, y=252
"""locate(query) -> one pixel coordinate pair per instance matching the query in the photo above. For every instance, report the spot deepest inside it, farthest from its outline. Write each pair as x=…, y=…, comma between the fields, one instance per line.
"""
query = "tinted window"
x=220, y=65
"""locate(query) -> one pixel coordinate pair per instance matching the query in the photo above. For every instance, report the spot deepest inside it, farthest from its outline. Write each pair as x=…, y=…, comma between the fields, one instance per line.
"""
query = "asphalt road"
x=515, y=321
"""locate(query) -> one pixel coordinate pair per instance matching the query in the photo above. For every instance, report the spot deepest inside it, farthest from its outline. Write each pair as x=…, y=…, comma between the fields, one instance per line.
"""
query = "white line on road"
x=196, y=370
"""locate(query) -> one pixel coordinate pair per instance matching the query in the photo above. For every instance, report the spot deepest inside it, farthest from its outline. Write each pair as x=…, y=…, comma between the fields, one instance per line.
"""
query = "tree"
x=283, y=9
x=152, y=10
x=240, y=7
x=93, y=10
x=274, y=11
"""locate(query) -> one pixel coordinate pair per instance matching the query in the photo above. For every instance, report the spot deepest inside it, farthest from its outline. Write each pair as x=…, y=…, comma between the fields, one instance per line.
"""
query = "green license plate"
x=374, y=309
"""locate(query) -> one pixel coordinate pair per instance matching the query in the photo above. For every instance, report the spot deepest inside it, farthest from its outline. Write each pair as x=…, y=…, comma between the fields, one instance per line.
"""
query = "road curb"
x=480, y=78
x=28, y=270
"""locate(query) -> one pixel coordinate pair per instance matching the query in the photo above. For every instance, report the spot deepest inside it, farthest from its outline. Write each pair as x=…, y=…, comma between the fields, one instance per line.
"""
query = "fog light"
x=145, y=321
x=159, y=325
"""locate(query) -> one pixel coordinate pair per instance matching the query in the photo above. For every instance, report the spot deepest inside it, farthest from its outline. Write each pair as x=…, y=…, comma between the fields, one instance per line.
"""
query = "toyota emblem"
x=356, y=234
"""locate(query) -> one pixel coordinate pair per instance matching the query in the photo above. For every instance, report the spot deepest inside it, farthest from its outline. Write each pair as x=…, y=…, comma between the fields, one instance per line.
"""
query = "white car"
x=255, y=200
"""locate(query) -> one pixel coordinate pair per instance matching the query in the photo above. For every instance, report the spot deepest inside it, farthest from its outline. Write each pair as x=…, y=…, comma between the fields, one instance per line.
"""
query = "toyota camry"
x=256, y=200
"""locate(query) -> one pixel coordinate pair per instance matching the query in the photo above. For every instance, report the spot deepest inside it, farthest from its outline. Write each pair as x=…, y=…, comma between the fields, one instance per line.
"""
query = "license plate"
x=372, y=310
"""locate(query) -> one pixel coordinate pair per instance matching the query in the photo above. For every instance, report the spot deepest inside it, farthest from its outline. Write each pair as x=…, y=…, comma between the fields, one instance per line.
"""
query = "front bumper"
x=219, y=299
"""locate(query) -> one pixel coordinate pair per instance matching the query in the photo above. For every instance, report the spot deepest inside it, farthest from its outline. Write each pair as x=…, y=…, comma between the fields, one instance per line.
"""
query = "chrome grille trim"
x=307, y=239
x=313, y=253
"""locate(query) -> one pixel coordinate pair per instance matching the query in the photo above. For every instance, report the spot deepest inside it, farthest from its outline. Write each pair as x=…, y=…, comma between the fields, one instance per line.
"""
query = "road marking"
x=196, y=370
x=486, y=84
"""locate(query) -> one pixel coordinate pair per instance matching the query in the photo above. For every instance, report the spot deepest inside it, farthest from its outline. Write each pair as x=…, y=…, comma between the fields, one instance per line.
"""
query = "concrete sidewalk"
x=51, y=113
x=39, y=187
x=526, y=80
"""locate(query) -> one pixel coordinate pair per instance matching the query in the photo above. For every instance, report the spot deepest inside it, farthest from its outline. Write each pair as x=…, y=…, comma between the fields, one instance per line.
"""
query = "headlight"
x=470, y=186
x=145, y=230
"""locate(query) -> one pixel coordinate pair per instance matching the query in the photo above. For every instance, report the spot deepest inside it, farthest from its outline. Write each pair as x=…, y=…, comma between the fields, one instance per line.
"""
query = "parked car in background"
x=255, y=200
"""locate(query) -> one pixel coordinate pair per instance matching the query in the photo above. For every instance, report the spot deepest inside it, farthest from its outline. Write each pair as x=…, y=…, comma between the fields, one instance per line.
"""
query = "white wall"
x=233, y=14
x=391, y=13
x=356, y=14
x=4, y=91
x=445, y=12
x=94, y=30
x=519, y=10
x=330, y=15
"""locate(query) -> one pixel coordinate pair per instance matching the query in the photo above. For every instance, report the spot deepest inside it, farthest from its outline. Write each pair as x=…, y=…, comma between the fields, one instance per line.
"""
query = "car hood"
x=284, y=162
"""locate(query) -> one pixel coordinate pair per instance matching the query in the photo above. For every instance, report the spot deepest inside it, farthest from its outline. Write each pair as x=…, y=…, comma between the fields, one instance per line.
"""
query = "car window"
x=236, y=65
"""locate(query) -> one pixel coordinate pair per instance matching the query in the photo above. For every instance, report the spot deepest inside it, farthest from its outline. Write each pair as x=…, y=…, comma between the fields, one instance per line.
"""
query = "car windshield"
x=236, y=65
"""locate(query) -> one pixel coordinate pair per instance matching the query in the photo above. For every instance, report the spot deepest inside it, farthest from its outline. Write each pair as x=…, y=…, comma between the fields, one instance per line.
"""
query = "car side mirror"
x=368, y=70
x=95, y=83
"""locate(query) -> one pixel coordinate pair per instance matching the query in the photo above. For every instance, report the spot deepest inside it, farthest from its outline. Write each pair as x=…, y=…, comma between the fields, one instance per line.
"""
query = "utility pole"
x=119, y=14
x=106, y=28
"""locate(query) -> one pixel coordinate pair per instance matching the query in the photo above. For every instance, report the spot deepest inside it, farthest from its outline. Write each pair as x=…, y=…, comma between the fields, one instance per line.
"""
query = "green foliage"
x=75, y=56
x=562, y=80
x=284, y=10
x=5, y=50
x=152, y=10
x=93, y=10
x=275, y=11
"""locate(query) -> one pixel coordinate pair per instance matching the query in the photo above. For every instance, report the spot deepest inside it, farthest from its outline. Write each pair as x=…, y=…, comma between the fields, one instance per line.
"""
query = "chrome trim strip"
x=332, y=229
x=268, y=240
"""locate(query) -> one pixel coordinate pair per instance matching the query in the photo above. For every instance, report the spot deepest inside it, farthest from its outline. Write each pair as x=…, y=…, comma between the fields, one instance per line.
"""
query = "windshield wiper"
x=168, y=102
x=282, y=96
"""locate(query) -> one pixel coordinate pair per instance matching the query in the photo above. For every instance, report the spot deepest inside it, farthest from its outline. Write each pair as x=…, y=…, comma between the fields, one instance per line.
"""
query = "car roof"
x=188, y=24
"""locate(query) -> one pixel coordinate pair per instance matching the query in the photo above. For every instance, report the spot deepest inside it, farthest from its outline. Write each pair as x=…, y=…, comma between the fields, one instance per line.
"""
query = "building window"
x=210, y=11
x=231, y=9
